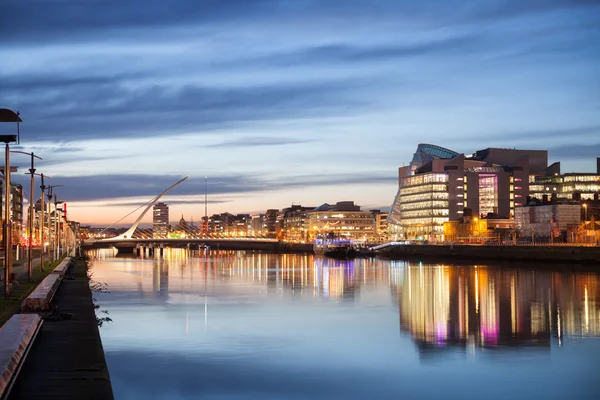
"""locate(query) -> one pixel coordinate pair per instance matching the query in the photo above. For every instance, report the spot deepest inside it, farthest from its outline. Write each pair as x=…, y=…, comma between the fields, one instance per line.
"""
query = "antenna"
x=206, y=203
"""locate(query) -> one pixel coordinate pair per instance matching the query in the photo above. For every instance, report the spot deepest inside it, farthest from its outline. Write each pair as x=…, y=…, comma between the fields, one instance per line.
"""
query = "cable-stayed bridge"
x=136, y=237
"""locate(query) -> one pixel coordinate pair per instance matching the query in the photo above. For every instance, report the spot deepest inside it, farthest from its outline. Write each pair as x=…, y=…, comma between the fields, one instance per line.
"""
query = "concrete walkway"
x=67, y=360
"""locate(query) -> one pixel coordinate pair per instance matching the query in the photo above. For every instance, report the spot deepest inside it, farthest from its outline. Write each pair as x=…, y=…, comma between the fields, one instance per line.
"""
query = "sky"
x=279, y=102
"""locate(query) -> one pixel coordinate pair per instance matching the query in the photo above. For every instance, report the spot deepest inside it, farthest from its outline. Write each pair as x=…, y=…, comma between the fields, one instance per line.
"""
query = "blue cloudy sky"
x=281, y=101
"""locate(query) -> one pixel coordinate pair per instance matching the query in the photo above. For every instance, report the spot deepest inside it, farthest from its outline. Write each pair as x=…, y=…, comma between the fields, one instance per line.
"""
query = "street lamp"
x=42, y=222
x=58, y=217
x=31, y=190
x=7, y=115
x=50, y=236
x=585, y=208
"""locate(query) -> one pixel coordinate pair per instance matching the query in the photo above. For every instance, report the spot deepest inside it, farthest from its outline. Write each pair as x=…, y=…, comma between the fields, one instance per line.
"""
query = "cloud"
x=344, y=53
x=592, y=131
x=69, y=20
x=577, y=151
x=74, y=20
x=106, y=187
x=114, y=110
x=258, y=141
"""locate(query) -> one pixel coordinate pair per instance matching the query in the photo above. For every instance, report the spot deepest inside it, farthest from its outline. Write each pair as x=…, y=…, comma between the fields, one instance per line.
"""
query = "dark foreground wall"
x=548, y=254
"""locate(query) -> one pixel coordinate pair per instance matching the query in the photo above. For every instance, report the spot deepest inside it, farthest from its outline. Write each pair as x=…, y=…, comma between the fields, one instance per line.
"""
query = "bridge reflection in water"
x=440, y=306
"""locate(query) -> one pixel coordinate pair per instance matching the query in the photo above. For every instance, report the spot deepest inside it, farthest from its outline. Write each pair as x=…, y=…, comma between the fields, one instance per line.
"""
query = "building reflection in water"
x=440, y=306
x=443, y=306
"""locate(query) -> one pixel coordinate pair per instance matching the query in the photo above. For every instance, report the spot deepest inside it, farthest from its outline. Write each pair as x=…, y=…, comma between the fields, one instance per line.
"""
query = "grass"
x=21, y=289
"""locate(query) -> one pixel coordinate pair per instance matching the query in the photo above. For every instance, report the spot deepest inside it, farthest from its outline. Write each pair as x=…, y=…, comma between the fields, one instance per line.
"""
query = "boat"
x=335, y=247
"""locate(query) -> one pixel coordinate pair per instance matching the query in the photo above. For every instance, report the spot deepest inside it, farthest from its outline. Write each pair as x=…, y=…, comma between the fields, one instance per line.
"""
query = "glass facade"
x=567, y=186
x=423, y=203
x=488, y=194
x=428, y=189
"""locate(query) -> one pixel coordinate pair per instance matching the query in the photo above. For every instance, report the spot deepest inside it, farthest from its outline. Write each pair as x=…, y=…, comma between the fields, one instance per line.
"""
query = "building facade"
x=342, y=219
x=160, y=221
x=548, y=222
x=439, y=184
x=16, y=209
x=295, y=223
x=381, y=226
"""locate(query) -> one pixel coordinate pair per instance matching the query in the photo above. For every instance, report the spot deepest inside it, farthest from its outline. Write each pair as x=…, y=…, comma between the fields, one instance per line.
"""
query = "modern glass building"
x=439, y=184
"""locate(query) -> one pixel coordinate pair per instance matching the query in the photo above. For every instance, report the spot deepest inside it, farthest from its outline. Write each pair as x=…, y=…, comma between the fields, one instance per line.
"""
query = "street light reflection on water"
x=213, y=324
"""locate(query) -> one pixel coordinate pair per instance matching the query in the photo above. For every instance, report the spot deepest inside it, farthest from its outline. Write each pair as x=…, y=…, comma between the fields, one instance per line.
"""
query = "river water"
x=235, y=325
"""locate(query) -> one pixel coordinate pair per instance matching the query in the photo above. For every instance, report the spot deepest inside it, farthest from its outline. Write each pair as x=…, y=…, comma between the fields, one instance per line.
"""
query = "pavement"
x=66, y=360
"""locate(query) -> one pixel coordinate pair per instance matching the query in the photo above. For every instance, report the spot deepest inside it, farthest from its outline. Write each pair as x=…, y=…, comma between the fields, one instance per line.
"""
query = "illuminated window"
x=488, y=193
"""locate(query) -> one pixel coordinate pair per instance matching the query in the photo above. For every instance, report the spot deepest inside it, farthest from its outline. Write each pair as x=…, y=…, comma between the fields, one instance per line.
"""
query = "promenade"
x=66, y=361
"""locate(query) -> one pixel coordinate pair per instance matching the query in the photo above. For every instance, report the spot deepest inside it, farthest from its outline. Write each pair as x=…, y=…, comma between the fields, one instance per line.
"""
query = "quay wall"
x=66, y=360
x=589, y=255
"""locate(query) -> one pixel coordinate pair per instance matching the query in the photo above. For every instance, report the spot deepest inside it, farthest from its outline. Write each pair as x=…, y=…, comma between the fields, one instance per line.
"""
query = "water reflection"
x=235, y=325
x=487, y=306
x=438, y=304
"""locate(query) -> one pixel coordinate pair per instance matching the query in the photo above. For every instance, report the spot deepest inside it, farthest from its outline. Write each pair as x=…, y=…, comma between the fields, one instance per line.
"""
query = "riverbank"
x=66, y=360
x=582, y=255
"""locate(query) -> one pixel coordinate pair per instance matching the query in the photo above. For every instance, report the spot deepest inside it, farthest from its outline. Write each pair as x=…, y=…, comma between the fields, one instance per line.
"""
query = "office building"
x=381, y=226
x=160, y=221
x=439, y=184
x=295, y=223
x=342, y=219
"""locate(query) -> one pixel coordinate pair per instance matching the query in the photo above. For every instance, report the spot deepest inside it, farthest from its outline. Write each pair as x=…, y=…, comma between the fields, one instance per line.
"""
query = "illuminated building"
x=381, y=226
x=295, y=223
x=273, y=223
x=583, y=188
x=16, y=207
x=160, y=220
x=572, y=186
x=257, y=226
x=342, y=219
x=439, y=184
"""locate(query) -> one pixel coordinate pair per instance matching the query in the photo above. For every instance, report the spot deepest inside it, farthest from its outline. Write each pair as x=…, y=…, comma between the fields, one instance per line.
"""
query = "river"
x=235, y=325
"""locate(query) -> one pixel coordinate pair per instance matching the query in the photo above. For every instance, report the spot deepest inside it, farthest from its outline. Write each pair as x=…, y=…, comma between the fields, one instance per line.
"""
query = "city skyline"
x=287, y=102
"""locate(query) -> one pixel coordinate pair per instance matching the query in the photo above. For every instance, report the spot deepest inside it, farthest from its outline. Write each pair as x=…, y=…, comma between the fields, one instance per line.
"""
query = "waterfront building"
x=549, y=221
x=160, y=220
x=257, y=226
x=220, y=224
x=273, y=223
x=295, y=223
x=573, y=186
x=492, y=228
x=342, y=219
x=439, y=184
x=381, y=226
x=581, y=187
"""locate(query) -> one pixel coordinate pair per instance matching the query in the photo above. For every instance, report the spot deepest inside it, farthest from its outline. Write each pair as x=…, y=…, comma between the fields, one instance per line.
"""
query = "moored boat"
x=335, y=247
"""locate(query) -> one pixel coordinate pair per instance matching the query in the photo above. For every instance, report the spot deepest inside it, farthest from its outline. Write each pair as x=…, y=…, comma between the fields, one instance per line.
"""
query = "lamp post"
x=57, y=217
x=31, y=190
x=51, y=236
x=42, y=222
x=7, y=115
